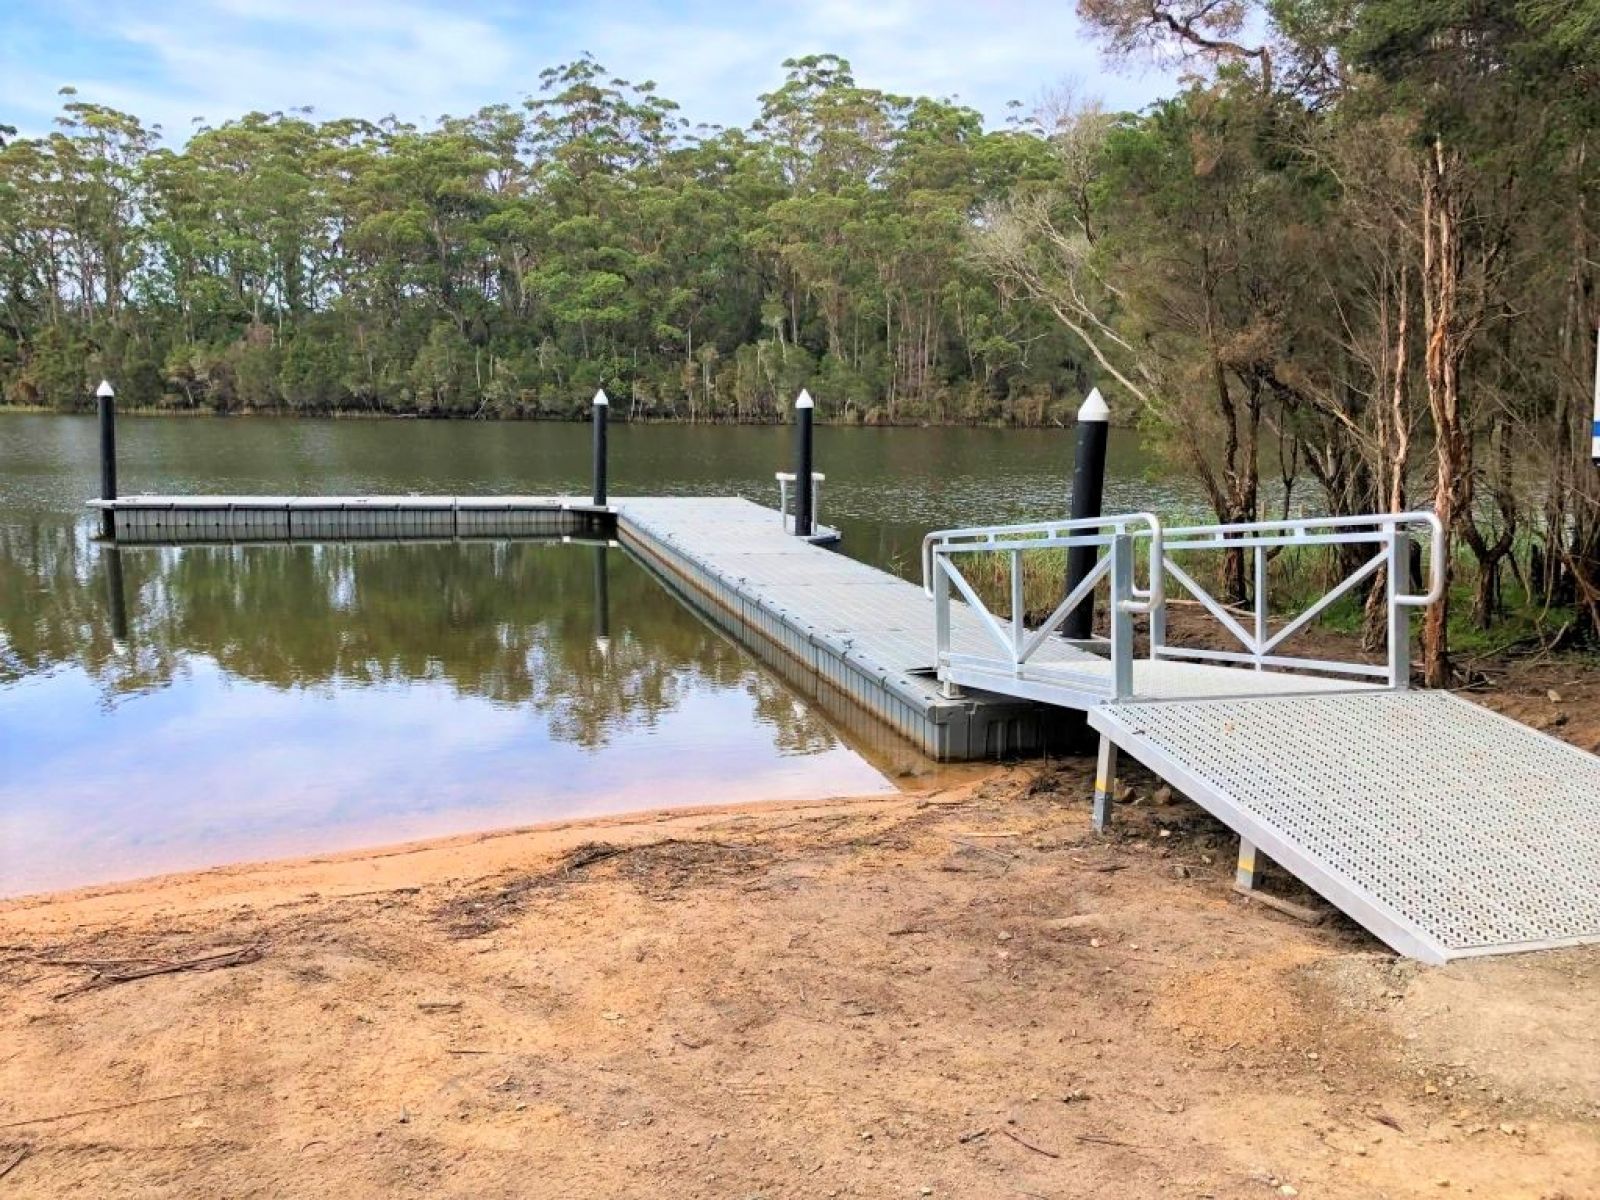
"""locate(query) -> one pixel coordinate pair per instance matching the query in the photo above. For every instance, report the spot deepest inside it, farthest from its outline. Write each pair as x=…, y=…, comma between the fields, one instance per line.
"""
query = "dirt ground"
x=961, y=992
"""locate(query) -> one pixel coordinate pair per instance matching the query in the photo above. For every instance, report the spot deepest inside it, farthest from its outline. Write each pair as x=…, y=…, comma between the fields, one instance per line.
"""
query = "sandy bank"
x=958, y=993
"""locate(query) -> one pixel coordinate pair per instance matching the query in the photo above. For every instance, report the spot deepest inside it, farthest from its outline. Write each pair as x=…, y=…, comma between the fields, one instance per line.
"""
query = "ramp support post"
x=1105, y=783
x=1247, y=873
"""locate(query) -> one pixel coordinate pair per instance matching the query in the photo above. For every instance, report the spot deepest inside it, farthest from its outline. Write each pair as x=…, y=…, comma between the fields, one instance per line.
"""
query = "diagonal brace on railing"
x=1074, y=598
x=953, y=574
x=1211, y=605
x=1295, y=626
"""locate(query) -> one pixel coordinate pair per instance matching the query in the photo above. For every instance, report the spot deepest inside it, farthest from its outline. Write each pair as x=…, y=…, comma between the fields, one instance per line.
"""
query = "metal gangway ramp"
x=1445, y=829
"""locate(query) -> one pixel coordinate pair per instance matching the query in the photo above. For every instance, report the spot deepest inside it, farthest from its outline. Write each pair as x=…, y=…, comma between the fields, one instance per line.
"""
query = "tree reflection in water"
x=582, y=634
x=164, y=708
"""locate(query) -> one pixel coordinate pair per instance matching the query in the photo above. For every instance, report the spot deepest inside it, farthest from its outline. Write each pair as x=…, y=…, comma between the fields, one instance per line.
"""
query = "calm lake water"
x=169, y=708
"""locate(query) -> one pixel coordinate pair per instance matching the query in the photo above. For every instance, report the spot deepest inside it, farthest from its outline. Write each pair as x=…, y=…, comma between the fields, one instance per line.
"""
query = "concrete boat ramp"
x=1444, y=829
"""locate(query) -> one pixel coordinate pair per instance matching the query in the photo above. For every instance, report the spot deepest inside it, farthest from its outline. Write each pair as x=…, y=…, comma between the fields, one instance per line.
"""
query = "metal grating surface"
x=1161, y=680
x=1446, y=829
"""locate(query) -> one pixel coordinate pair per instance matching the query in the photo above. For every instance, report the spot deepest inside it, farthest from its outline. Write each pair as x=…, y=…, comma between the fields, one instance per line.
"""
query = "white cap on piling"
x=1094, y=407
x=105, y=389
x=600, y=400
x=805, y=400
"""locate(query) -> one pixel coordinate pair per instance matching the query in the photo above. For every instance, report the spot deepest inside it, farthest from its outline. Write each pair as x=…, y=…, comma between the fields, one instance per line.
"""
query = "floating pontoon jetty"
x=1443, y=828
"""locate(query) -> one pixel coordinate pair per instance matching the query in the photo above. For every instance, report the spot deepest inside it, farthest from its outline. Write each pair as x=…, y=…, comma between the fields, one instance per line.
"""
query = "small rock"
x=1005, y=936
x=1429, y=1089
x=1180, y=872
x=1162, y=795
x=1288, y=1189
x=1077, y=921
x=1094, y=942
x=1553, y=696
x=1508, y=1130
x=608, y=1015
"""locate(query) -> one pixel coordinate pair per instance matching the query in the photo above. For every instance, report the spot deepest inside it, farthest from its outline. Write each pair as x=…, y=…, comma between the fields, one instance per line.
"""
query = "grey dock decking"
x=859, y=629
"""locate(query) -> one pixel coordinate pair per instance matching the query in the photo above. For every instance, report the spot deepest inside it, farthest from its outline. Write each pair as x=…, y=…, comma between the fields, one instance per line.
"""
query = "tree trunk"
x=1446, y=345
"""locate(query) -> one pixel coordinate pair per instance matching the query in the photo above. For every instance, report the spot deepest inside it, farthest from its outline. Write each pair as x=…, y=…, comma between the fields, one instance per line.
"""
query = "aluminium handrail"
x=1388, y=532
x=785, y=478
x=1218, y=536
x=998, y=538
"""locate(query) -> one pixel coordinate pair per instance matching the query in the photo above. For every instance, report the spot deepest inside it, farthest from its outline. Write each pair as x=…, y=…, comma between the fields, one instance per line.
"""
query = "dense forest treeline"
x=1362, y=235
x=1365, y=235
x=509, y=262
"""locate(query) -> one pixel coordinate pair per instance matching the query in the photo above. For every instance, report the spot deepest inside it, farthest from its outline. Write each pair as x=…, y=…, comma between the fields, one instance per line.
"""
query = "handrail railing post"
x=1121, y=616
x=941, y=616
x=1261, y=604
x=1399, y=632
x=1018, y=632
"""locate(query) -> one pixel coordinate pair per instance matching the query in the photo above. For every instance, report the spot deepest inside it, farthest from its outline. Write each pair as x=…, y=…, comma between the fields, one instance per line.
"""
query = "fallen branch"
x=206, y=962
x=1007, y=859
x=15, y=1162
x=1100, y=1140
x=596, y=852
x=1299, y=912
x=1024, y=1142
x=104, y=1108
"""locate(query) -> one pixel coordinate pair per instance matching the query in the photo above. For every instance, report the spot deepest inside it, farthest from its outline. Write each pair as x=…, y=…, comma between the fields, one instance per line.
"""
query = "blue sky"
x=172, y=60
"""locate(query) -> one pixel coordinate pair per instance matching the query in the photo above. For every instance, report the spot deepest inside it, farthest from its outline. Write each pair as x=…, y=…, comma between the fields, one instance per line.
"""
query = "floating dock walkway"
x=1443, y=828
x=828, y=624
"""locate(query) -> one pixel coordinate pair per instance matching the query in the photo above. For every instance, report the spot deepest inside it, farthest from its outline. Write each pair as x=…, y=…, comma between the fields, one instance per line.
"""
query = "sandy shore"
x=954, y=993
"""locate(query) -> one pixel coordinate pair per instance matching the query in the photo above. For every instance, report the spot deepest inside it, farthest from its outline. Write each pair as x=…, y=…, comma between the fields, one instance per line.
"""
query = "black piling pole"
x=601, y=407
x=802, y=464
x=106, y=405
x=1088, y=489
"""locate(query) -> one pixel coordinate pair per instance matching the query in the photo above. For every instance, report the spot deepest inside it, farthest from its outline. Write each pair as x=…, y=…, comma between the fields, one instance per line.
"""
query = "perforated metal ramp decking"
x=1444, y=828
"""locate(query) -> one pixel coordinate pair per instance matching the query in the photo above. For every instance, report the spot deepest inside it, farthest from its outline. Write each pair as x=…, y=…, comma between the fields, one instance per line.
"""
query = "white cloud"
x=421, y=58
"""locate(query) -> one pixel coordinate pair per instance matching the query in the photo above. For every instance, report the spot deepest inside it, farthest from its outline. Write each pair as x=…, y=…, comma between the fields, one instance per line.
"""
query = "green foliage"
x=507, y=262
